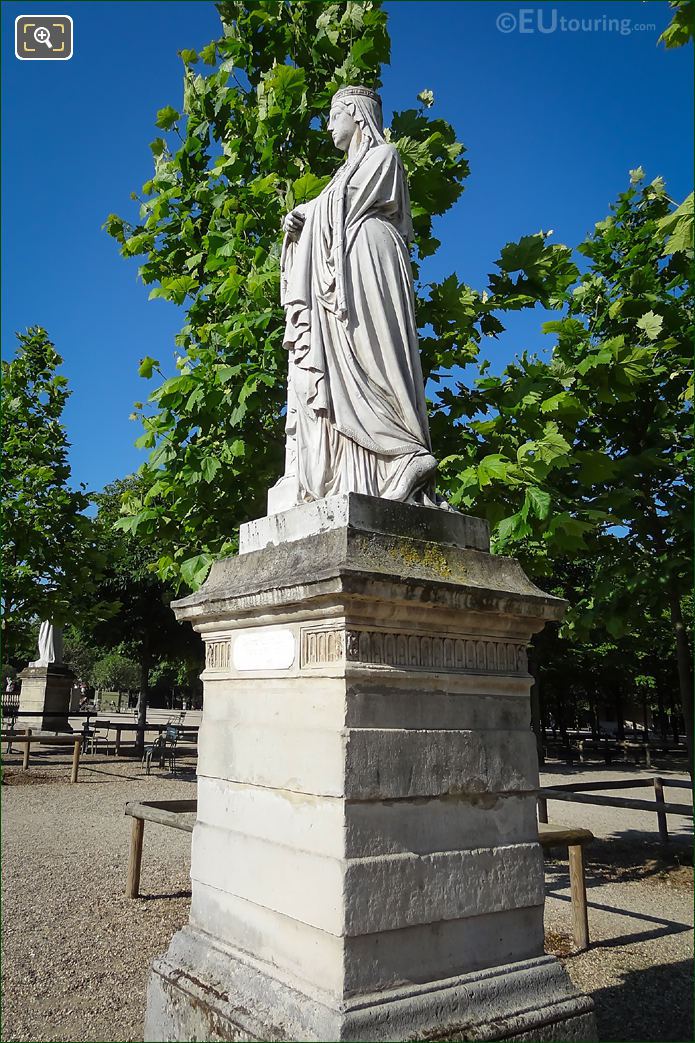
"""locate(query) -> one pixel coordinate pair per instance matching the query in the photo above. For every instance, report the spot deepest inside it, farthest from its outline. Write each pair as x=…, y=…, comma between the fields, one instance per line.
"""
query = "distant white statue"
x=356, y=413
x=50, y=645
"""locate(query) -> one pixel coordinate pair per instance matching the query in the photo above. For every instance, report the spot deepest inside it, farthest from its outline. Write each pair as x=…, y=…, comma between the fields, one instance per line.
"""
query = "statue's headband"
x=363, y=92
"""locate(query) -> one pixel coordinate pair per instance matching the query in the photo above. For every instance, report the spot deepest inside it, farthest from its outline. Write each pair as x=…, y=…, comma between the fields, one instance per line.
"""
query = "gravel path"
x=76, y=952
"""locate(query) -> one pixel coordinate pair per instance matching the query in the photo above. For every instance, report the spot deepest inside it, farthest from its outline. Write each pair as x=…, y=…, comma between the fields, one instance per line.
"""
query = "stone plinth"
x=365, y=861
x=45, y=694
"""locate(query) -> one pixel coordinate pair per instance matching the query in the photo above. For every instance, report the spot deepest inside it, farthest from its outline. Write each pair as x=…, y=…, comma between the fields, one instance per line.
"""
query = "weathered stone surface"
x=361, y=829
x=45, y=694
x=363, y=895
x=320, y=962
x=530, y=999
x=365, y=863
x=363, y=763
x=366, y=559
x=470, y=703
x=367, y=514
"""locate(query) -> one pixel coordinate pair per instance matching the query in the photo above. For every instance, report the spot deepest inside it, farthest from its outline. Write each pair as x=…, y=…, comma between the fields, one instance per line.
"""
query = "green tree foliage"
x=115, y=672
x=80, y=652
x=248, y=144
x=49, y=562
x=588, y=453
x=598, y=435
x=142, y=628
x=178, y=676
x=680, y=29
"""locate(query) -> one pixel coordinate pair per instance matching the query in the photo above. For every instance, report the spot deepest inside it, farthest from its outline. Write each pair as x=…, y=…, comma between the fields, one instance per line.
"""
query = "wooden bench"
x=45, y=740
x=550, y=835
x=164, y=813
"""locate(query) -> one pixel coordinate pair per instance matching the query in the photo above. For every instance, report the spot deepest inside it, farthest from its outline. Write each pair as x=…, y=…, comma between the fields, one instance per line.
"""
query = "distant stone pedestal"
x=365, y=861
x=44, y=698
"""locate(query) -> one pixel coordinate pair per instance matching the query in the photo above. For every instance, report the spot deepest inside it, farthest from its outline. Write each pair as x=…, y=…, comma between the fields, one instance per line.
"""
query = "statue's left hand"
x=294, y=222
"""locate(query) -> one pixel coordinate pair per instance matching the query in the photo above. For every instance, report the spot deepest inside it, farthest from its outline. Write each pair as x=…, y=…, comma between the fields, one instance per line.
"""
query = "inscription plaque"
x=263, y=650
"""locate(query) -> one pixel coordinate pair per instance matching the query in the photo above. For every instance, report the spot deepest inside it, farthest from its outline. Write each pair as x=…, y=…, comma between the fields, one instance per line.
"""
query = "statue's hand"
x=294, y=222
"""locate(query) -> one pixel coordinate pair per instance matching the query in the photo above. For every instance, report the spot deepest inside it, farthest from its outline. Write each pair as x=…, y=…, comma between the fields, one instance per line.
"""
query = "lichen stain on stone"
x=425, y=556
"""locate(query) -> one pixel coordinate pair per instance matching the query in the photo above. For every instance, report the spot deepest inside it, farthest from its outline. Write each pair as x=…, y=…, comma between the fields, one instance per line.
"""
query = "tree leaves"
x=194, y=570
x=166, y=118
x=680, y=29
x=651, y=323
x=308, y=186
x=146, y=367
x=677, y=227
x=50, y=561
x=581, y=460
x=176, y=289
x=536, y=501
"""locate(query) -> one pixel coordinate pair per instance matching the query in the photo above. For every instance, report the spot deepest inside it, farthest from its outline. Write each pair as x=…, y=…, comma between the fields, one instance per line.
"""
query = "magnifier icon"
x=42, y=35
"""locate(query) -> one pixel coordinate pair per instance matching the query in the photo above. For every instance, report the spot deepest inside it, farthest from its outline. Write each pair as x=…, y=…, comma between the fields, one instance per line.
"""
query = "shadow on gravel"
x=665, y=927
x=649, y=1004
x=171, y=894
x=632, y=855
x=90, y=769
x=185, y=775
x=578, y=768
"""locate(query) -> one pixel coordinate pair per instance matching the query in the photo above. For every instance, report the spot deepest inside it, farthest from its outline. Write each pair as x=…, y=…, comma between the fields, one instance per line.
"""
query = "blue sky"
x=552, y=120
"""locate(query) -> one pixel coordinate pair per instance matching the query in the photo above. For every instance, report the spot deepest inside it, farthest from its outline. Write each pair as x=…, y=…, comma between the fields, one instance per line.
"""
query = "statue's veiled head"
x=353, y=110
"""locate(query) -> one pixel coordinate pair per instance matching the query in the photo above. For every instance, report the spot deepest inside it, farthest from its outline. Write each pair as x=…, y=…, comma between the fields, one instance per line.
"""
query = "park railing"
x=27, y=739
x=609, y=749
x=10, y=703
x=584, y=793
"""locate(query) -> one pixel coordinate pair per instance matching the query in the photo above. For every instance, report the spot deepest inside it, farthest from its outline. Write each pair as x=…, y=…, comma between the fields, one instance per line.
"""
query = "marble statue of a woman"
x=50, y=645
x=356, y=415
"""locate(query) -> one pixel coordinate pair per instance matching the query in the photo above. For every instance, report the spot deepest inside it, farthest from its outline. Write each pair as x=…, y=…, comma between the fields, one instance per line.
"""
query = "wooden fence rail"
x=164, y=813
x=580, y=793
x=45, y=740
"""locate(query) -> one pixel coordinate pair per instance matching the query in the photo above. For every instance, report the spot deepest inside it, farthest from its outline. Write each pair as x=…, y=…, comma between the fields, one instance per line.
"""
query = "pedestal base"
x=44, y=700
x=200, y=991
x=365, y=861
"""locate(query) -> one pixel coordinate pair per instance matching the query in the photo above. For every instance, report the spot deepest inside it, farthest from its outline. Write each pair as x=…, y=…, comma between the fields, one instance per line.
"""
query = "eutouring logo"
x=549, y=20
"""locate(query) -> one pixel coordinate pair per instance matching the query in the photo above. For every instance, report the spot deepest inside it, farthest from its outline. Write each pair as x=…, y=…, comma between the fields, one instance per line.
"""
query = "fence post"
x=27, y=747
x=132, y=887
x=660, y=814
x=580, y=920
x=76, y=759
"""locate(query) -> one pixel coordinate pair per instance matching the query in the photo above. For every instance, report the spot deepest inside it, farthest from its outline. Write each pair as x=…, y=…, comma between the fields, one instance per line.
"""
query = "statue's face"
x=342, y=126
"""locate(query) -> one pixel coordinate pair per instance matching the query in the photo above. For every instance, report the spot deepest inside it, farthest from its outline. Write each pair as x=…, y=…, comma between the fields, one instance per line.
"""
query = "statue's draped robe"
x=356, y=403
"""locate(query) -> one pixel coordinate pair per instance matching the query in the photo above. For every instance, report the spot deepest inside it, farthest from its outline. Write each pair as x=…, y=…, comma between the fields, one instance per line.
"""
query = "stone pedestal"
x=365, y=862
x=45, y=693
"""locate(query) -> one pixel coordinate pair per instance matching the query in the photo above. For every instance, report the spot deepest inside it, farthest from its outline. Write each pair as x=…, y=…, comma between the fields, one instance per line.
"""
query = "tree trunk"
x=142, y=703
x=674, y=717
x=619, y=712
x=685, y=680
x=663, y=721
